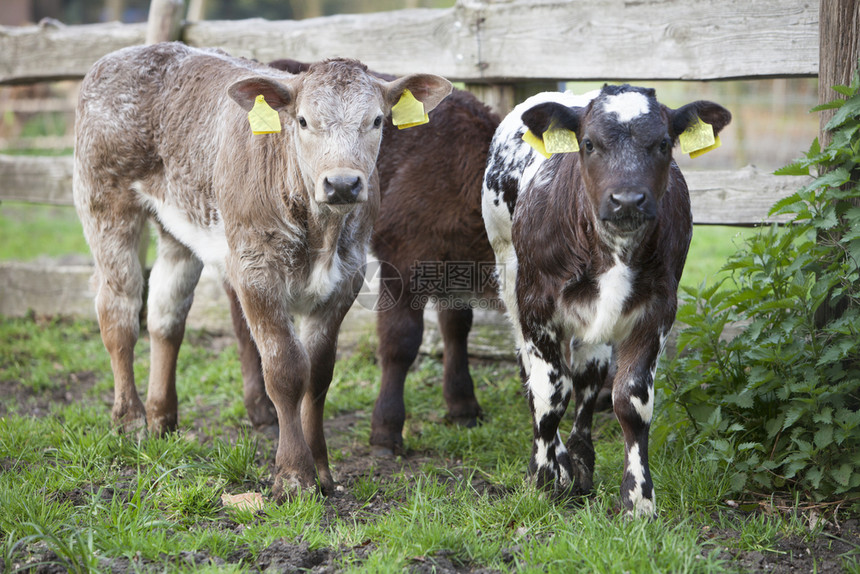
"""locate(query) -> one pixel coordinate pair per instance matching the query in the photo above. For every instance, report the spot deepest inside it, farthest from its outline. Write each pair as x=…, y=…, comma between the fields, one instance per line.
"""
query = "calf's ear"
x=710, y=113
x=541, y=117
x=428, y=89
x=278, y=95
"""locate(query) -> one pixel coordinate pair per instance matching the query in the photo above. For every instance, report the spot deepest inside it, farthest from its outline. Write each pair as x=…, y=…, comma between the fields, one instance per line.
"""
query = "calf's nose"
x=627, y=201
x=342, y=189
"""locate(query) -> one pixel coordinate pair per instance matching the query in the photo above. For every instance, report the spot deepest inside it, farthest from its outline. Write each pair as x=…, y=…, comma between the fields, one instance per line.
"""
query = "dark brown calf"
x=428, y=234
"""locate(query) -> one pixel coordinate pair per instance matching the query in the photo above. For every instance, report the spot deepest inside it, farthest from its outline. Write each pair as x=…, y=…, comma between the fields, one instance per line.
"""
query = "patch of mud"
x=38, y=403
x=824, y=553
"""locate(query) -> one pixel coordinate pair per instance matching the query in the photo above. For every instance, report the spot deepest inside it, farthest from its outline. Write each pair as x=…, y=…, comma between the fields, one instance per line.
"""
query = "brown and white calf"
x=162, y=133
x=590, y=247
x=430, y=219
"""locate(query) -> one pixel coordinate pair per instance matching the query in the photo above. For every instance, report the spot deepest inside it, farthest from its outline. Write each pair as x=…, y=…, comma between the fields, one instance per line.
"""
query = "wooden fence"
x=493, y=46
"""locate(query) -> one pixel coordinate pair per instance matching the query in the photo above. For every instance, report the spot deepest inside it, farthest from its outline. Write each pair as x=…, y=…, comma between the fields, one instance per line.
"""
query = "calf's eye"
x=589, y=147
x=664, y=145
x=303, y=122
x=377, y=122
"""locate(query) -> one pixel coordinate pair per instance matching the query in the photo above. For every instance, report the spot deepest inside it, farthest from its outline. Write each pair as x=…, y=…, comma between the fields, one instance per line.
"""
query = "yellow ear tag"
x=560, y=140
x=263, y=119
x=697, y=137
x=536, y=143
x=408, y=112
x=704, y=150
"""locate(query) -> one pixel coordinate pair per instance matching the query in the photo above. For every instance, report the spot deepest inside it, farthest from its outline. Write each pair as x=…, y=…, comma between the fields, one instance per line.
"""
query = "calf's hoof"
x=581, y=453
x=467, y=416
x=554, y=476
x=289, y=485
x=130, y=421
x=465, y=421
x=160, y=425
x=381, y=451
x=386, y=445
x=326, y=482
x=262, y=412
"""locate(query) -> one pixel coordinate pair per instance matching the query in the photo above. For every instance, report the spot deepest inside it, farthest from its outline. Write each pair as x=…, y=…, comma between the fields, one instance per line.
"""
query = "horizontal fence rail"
x=483, y=41
x=719, y=197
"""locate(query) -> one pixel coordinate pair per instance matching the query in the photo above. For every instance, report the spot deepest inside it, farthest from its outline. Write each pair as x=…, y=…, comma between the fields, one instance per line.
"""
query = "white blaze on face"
x=627, y=106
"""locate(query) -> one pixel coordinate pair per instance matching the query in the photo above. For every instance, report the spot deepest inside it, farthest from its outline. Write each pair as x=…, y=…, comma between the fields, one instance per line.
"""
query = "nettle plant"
x=778, y=406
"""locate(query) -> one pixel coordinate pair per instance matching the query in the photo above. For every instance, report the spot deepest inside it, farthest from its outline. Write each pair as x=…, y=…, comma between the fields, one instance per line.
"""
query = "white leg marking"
x=641, y=506
x=644, y=410
x=541, y=387
x=584, y=353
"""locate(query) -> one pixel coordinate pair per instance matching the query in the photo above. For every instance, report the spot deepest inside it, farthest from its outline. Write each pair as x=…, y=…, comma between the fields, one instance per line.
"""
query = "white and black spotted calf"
x=590, y=247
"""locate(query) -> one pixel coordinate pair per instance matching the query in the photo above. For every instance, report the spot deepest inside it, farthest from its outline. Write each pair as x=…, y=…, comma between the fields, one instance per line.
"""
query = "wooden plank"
x=400, y=42
x=55, y=51
x=46, y=288
x=648, y=39
x=36, y=179
x=477, y=41
x=528, y=39
x=742, y=197
x=721, y=197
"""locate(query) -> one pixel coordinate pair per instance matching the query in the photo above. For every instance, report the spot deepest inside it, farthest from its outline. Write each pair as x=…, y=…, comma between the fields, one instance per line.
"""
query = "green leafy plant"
x=776, y=406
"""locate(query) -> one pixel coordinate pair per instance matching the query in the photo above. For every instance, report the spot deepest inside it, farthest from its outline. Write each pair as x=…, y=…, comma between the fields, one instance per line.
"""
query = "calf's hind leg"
x=118, y=283
x=459, y=390
x=589, y=367
x=400, y=330
x=260, y=409
x=171, y=290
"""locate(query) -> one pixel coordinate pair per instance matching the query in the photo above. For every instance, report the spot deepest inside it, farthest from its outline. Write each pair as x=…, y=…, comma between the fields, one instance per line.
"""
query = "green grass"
x=28, y=231
x=93, y=497
x=710, y=248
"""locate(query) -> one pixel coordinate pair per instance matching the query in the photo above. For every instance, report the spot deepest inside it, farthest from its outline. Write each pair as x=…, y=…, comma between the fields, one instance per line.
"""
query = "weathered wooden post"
x=165, y=21
x=164, y=25
x=838, y=51
x=500, y=96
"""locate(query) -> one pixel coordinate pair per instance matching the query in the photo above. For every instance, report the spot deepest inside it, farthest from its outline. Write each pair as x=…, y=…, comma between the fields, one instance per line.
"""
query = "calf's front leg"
x=319, y=336
x=286, y=372
x=549, y=387
x=633, y=403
